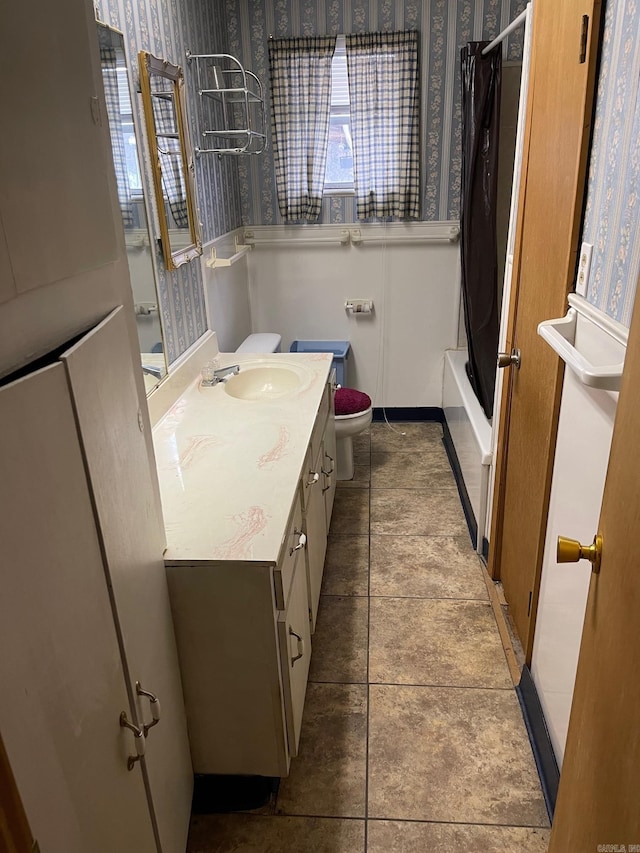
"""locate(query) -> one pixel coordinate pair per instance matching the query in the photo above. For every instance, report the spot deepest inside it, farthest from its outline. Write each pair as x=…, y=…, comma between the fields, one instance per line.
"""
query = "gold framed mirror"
x=162, y=86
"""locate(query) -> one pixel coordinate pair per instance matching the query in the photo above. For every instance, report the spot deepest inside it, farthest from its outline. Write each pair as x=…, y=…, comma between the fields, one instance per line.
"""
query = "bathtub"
x=468, y=442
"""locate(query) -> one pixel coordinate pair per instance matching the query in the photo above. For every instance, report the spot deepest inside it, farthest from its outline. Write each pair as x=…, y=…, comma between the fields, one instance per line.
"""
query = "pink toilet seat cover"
x=349, y=401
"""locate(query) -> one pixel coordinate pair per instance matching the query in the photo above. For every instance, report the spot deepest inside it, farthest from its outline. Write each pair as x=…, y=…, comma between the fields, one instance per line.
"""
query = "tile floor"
x=412, y=739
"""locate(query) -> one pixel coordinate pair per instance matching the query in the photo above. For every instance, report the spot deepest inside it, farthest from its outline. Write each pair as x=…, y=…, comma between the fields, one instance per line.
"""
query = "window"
x=339, y=171
x=345, y=116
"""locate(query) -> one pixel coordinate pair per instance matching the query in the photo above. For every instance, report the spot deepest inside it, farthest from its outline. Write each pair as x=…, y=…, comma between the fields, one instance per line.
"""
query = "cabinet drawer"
x=283, y=572
x=294, y=640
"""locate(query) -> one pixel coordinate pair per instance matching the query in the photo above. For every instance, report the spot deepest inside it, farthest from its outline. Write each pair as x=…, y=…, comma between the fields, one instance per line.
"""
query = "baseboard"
x=472, y=524
x=540, y=741
x=419, y=413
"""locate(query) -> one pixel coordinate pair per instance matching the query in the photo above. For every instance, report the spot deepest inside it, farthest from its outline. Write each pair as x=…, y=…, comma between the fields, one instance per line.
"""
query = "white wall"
x=226, y=290
x=397, y=353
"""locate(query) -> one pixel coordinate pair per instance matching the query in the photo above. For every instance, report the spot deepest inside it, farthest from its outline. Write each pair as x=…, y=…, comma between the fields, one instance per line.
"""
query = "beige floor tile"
x=436, y=641
x=328, y=777
x=235, y=833
x=451, y=754
x=420, y=512
x=362, y=442
x=392, y=470
x=417, y=437
x=346, y=566
x=403, y=837
x=350, y=512
x=426, y=567
x=361, y=473
x=340, y=640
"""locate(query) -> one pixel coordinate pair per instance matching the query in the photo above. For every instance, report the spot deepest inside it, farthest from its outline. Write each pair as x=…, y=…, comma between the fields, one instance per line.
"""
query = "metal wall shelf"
x=231, y=111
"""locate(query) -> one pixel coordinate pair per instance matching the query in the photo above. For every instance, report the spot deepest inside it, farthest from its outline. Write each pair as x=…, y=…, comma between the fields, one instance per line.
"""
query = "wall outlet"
x=584, y=266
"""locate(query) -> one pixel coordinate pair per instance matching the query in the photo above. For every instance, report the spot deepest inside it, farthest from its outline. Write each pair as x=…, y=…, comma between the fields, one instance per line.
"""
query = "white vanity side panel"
x=585, y=429
x=113, y=429
x=63, y=686
x=226, y=630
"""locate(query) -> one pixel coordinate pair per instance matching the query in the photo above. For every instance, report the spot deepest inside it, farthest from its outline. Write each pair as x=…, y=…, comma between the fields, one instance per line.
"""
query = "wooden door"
x=598, y=796
x=559, y=115
x=112, y=424
x=63, y=686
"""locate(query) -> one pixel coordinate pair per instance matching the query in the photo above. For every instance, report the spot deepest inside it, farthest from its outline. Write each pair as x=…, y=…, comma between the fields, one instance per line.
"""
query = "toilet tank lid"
x=261, y=342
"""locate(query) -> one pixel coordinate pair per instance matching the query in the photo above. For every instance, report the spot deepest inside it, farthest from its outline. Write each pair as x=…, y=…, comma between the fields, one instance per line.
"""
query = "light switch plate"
x=584, y=266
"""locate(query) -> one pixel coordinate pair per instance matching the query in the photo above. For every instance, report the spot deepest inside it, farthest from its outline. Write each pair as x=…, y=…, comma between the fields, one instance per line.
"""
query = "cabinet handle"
x=314, y=479
x=154, y=704
x=302, y=541
x=300, y=641
x=332, y=460
x=138, y=740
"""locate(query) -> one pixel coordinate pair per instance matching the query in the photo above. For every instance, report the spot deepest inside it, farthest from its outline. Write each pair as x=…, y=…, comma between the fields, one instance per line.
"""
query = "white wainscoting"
x=226, y=290
x=299, y=283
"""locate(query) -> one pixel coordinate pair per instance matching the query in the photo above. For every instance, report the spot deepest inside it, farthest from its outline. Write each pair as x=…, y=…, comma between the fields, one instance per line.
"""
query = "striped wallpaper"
x=445, y=25
x=612, y=213
x=167, y=28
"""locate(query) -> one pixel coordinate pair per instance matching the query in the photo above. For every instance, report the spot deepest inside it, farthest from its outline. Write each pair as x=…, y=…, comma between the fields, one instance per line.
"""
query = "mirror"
x=162, y=86
x=132, y=202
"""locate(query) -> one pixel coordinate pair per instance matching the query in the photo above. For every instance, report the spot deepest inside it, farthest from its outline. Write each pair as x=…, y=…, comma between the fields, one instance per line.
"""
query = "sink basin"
x=263, y=383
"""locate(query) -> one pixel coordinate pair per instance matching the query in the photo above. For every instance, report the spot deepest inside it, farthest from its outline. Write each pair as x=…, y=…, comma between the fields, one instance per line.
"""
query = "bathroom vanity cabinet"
x=247, y=490
x=85, y=609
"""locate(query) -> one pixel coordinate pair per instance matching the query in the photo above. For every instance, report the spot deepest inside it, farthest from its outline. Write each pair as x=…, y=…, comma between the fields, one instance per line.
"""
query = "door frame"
x=563, y=287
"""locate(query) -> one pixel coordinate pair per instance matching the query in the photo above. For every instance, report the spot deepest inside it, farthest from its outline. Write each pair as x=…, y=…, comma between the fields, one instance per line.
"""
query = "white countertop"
x=228, y=468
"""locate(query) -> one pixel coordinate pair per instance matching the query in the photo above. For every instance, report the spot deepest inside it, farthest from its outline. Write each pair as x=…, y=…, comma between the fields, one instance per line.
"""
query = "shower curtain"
x=479, y=186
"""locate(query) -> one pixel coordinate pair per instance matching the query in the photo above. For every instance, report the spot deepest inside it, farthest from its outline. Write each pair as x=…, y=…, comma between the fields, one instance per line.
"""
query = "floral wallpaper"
x=612, y=212
x=444, y=25
x=167, y=28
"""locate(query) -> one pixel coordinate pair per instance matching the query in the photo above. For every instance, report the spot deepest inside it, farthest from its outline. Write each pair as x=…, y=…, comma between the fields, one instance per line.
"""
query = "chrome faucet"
x=221, y=374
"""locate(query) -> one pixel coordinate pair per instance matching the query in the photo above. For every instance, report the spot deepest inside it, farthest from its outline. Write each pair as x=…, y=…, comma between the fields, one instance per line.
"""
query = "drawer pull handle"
x=300, y=642
x=154, y=704
x=331, y=459
x=314, y=479
x=302, y=541
x=138, y=740
x=328, y=481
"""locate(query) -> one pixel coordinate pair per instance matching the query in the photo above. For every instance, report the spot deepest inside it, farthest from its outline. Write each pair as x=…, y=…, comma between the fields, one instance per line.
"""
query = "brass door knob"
x=570, y=551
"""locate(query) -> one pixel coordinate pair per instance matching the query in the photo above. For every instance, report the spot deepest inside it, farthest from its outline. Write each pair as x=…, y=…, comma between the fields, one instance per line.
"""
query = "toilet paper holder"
x=359, y=306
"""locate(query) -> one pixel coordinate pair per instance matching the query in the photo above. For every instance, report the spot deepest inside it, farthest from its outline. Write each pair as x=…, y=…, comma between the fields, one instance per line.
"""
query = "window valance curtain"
x=385, y=116
x=300, y=108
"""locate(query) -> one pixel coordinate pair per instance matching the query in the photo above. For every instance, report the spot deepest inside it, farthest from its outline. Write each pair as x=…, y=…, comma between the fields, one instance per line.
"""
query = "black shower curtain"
x=481, y=77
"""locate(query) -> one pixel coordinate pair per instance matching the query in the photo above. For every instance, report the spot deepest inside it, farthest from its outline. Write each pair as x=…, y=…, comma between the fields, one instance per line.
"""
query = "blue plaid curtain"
x=385, y=115
x=300, y=108
x=170, y=157
x=109, y=63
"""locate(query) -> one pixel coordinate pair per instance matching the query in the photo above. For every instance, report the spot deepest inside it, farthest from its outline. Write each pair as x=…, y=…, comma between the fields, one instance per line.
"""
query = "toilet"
x=261, y=342
x=353, y=416
x=353, y=408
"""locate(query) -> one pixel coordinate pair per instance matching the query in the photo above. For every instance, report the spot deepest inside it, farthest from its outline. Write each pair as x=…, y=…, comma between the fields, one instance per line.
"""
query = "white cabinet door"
x=63, y=686
x=294, y=639
x=112, y=428
x=315, y=524
x=329, y=467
